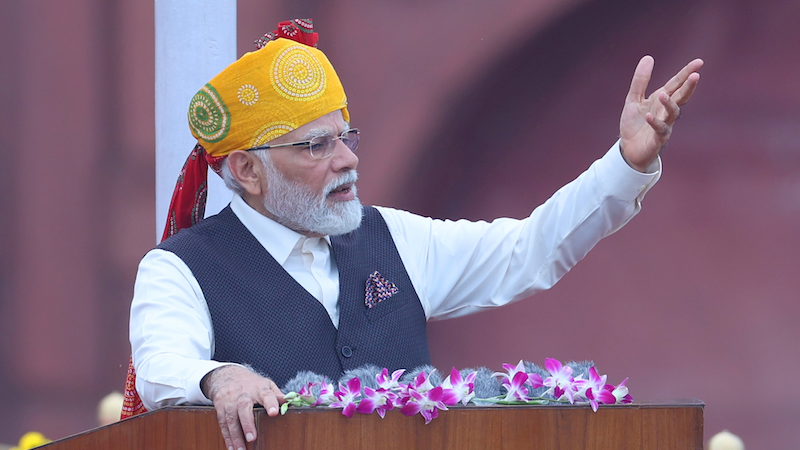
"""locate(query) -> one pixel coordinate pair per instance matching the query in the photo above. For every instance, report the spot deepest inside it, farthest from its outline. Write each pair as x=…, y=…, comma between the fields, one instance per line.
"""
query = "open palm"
x=646, y=122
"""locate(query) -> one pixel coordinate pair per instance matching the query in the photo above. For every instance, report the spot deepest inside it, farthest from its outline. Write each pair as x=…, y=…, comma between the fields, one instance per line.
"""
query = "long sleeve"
x=463, y=267
x=170, y=332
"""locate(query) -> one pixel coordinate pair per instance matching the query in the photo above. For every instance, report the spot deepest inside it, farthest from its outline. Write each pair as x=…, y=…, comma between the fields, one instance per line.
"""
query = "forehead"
x=330, y=124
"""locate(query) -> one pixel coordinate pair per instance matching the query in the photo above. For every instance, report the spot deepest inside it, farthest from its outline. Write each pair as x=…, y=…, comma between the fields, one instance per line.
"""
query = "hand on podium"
x=234, y=390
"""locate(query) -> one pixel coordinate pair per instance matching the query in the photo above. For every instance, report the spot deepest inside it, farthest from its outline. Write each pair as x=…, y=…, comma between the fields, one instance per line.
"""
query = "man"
x=295, y=275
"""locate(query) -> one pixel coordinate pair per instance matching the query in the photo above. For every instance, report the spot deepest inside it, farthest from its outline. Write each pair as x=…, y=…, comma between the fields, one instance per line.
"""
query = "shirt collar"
x=278, y=240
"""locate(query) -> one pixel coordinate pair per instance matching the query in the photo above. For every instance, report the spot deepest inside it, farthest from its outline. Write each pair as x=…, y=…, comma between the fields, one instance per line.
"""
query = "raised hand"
x=234, y=390
x=646, y=123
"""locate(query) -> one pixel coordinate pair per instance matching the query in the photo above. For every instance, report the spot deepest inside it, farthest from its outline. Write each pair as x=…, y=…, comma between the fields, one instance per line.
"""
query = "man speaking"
x=295, y=274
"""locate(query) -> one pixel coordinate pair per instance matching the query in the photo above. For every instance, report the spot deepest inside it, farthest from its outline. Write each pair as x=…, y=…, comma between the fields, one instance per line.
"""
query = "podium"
x=668, y=425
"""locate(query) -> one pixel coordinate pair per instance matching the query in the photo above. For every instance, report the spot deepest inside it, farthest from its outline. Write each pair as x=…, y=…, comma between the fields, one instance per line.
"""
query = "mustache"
x=348, y=177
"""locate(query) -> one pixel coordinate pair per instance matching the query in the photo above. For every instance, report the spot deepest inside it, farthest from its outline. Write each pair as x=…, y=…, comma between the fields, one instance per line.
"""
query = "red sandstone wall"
x=694, y=298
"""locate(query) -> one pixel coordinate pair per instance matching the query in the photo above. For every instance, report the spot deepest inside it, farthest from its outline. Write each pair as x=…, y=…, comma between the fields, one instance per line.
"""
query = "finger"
x=278, y=394
x=687, y=89
x=223, y=427
x=234, y=426
x=661, y=128
x=677, y=81
x=641, y=78
x=269, y=395
x=672, y=108
x=245, y=407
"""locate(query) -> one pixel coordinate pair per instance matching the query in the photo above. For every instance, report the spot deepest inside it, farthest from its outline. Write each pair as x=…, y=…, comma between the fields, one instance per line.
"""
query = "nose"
x=343, y=159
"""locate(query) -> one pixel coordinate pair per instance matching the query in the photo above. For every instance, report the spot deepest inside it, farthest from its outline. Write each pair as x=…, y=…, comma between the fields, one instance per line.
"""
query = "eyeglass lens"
x=322, y=146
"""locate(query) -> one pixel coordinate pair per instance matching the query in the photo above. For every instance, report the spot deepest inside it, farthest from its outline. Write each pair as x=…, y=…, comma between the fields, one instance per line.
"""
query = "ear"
x=248, y=171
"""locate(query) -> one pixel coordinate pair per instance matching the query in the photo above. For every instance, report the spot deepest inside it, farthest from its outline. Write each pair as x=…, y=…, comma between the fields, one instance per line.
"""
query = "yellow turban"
x=265, y=94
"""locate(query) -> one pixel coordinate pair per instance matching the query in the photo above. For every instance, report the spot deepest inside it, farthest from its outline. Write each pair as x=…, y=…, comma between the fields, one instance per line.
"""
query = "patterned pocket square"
x=378, y=289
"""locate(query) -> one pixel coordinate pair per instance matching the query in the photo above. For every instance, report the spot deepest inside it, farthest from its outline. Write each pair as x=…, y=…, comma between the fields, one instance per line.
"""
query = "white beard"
x=295, y=206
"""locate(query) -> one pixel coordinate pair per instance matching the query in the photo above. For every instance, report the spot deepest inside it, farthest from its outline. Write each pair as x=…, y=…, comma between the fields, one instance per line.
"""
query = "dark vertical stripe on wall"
x=113, y=290
x=9, y=195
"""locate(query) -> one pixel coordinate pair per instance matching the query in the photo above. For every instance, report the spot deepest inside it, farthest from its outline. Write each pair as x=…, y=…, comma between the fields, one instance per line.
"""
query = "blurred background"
x=469, y=109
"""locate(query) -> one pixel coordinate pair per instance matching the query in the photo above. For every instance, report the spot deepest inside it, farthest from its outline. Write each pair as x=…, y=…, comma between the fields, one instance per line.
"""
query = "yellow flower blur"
x=30, y=440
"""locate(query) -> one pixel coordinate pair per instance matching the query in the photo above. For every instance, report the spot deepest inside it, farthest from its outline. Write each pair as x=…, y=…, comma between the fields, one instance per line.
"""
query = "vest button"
x=347, y=351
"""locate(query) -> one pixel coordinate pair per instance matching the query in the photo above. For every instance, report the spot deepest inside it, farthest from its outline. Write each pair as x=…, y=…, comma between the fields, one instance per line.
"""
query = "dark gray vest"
x=262, y=317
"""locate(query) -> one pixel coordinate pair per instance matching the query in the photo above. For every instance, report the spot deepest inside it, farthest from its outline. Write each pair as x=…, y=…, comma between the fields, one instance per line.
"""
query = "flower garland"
x=426, y=394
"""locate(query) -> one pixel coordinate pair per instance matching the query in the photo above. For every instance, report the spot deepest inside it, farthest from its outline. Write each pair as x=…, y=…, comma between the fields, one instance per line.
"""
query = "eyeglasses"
x=320, y=147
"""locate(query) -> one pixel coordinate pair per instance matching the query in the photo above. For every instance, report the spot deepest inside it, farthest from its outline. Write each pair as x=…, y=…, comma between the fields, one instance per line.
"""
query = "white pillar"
x=195, y=40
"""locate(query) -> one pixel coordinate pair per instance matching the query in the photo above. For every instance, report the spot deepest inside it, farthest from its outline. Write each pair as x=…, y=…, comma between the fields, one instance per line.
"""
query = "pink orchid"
x=427, y=404
x=517, y=390
x=595, y=390
x=326, y=394
x=462, y=388
x=535, y=380
x=403, y=393
x=384, y=382
x=512, y=371
x=561, y=382
x=609, y=394
x=620, y=393
x=380, y=399
x=346, y=397
x=306, y=395
x=420, y=396
x=420, y=383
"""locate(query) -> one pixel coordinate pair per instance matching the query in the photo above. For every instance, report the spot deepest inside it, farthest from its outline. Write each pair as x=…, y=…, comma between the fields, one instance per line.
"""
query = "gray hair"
x=230, y=180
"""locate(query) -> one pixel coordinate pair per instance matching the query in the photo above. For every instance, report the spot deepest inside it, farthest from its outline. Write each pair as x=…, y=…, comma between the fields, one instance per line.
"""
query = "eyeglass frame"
x=308, y=144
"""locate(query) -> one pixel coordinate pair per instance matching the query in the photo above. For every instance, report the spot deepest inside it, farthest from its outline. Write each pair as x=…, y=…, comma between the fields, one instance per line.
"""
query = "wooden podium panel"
x=646, y=426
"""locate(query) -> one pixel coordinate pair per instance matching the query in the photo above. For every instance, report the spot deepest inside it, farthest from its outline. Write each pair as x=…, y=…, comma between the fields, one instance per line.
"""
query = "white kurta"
x=457, y=268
